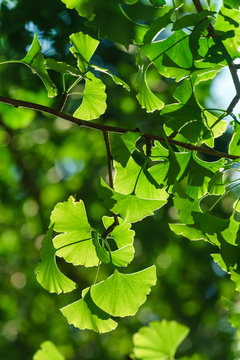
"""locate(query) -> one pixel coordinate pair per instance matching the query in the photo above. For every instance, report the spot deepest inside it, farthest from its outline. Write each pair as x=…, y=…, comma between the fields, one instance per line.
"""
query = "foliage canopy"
x=137, y=73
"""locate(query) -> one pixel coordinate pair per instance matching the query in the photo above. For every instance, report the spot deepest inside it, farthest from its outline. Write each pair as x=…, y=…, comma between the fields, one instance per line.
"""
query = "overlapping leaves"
x=79, y=244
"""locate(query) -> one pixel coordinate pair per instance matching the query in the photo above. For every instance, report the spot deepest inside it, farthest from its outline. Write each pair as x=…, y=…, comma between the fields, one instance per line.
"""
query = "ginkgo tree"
x=146, y=170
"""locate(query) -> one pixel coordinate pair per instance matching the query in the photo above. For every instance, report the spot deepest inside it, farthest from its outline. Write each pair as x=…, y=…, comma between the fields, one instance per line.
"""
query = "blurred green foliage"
x=43, y=160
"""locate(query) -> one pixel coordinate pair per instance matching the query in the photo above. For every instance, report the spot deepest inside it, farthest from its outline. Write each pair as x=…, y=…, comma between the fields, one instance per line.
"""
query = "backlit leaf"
x=84, y=314
x=48, y=351
x=145, y=97
x=47, y=272
x=159, y=340
x=74, y=243
x=94, y=99
x=83, y=49
x=122, y=294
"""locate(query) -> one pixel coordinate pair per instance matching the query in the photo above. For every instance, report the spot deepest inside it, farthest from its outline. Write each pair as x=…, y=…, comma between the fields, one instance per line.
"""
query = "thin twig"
x=110, y=176
x=109, y=158
x=62, y=101
x=114, y=129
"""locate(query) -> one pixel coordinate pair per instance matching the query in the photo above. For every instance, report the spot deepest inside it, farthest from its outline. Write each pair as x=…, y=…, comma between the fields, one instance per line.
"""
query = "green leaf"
x=116, y=79
x=130, y=207
x=122, y=294
x=47, y=272
x=190, y=232
x=61, y=67
x=123, y=238
x=83, y=49
x=94, y=99
x=159, y=340
x=36, y=62
x=234, y=146
x=235, y=277
x=48, y=351
x=158, y=3
x=83, y=7
x=117, y=19
x=145, y=97
x=122, y=233
x=85, y=314
x=176, y=47
x=190, y=20
x=199, y=175
x=130, y=2
x=120, y=257
x=122, y=146
x=156, y=25
x=234, y=312
x=231, y=3
x=74, y=243
x=185, y=206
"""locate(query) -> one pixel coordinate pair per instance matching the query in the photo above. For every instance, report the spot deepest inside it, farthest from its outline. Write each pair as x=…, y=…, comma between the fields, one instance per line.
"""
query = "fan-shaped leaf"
x=47, y=272
x=122, y=294
x=84, y=314
x=159, y=340
x=94, y=99
x=75, y=243
x=48, y=351
x=83, y=49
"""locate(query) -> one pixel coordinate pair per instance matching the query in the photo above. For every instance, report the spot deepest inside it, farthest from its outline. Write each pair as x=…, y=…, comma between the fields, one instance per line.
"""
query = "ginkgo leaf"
x=83, y=49
x=130, y=207
x=234, y=146
x=48, y=351
x=85, y=314
x=122, y=233
x=120, y=257
x=47, y=272
x=61, y=67
x=74, y=243
x=36, y=62
x=123, y=146
x=233, y=311
x=83, y=7
x=94, y=99
x=142, y=182
x=159, y=340
x=123, y=238
x=145, y=97
x=115, y=78
x=185, y=206
x=122, y=294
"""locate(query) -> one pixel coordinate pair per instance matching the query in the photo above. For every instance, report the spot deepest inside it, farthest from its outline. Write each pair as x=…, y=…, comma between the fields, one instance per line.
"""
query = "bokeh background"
x=44, y=159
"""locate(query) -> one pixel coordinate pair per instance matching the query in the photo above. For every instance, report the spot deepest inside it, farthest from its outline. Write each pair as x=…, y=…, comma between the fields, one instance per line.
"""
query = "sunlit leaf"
x=159, y=340
x=145, y=97
x=48, y=351
x=122, y=294
x=84, y=314
x=47, y=272
x=94, y=99
x=130, y=207
x=74, y=243
x=83, y=49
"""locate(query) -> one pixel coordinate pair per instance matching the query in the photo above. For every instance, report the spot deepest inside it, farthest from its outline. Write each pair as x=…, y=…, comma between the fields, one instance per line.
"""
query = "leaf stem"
x=110, y=177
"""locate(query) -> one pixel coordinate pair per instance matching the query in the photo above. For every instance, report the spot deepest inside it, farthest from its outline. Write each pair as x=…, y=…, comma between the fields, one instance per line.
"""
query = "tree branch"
x=115, y=129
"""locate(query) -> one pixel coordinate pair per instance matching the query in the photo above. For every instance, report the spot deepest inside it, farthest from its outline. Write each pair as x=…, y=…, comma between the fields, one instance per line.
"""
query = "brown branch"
x=115, y=129
x=62, y=102
x=110, y=176
x=109, y=158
